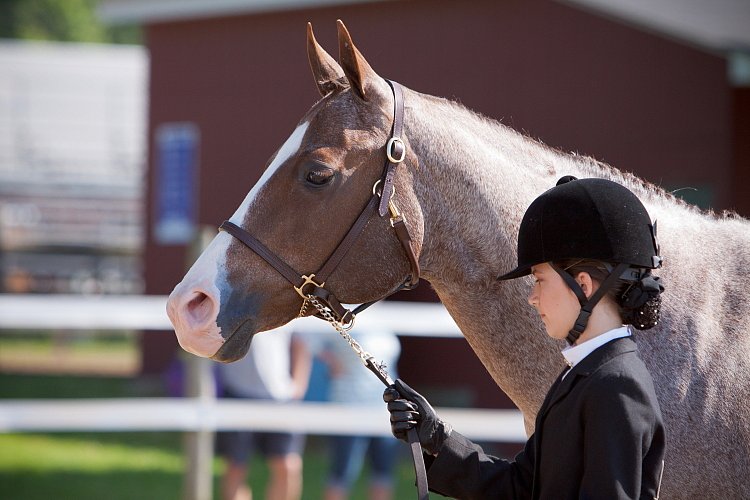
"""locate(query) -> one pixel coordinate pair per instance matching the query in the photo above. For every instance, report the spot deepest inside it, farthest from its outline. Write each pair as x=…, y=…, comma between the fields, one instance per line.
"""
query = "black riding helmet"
x=587, y=219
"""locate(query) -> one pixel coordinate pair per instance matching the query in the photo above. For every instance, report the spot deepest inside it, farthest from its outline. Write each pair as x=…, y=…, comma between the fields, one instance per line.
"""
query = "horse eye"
x=319, y=176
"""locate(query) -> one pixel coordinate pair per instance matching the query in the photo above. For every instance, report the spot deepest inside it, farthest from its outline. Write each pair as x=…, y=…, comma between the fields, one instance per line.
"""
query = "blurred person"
x=277, y=367
x=351, y=383
x=18, y=280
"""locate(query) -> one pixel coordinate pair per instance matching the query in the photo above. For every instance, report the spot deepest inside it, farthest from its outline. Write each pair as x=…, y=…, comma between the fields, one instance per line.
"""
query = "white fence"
x=57, y=312
x=205, y=414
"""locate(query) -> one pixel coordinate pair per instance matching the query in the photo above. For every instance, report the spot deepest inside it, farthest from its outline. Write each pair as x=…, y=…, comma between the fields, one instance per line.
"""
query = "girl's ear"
x=587, y=284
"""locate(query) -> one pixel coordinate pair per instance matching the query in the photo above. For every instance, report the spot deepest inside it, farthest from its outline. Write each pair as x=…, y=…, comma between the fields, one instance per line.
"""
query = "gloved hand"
x=409, y=410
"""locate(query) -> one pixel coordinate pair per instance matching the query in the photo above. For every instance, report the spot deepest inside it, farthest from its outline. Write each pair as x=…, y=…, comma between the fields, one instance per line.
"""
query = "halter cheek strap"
x=587, y=304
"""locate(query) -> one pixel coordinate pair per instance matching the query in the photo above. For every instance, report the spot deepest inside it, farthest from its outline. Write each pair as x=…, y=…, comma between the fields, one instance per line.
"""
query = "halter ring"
x=375, y=189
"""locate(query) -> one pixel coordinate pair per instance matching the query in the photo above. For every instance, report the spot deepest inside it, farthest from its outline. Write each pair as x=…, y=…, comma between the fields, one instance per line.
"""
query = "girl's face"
x=555, y=302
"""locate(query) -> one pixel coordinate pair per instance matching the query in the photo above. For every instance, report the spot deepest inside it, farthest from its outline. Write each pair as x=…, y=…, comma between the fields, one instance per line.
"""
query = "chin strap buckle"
x=578, y=327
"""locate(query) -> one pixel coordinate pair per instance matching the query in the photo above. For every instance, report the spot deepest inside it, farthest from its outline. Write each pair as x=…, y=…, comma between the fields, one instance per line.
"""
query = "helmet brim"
x=518, y=272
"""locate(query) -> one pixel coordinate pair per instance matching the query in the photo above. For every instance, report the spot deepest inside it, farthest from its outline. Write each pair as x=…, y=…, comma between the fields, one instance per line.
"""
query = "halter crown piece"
x=594, y=219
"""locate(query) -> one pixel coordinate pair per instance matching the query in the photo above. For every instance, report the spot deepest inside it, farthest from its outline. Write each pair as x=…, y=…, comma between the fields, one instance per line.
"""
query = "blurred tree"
x=61, y=20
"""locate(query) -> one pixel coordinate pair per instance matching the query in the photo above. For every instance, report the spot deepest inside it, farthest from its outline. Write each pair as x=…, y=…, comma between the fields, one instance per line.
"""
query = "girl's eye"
x=319, y=176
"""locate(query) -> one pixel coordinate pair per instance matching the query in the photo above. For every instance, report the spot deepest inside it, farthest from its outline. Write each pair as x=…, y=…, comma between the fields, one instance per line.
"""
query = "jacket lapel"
x=586, y=367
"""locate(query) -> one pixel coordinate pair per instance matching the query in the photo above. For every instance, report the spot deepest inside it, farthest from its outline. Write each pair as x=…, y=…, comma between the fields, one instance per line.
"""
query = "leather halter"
x=314, y=284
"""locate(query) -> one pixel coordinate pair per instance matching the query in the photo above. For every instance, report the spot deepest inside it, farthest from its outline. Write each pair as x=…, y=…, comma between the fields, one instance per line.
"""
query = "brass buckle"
x=389, y=150
x=308, y=281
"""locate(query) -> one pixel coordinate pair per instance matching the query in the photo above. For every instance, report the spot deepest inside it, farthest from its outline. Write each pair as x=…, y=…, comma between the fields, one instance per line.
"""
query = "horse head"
x=313, y=190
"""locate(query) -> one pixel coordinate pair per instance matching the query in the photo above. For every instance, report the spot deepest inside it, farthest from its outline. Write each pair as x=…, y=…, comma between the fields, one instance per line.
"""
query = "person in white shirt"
x=590, y=246
x=277, y=367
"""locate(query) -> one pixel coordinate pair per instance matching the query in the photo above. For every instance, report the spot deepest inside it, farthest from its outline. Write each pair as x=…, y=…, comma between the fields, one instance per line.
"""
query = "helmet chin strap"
x=587, y=304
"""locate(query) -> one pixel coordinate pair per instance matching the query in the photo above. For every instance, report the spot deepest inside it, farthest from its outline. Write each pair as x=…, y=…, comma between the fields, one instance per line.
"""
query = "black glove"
x=409, y=410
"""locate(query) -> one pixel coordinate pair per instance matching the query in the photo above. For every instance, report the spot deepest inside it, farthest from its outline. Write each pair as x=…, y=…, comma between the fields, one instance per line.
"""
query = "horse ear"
x=327, y=73
x=361, y=76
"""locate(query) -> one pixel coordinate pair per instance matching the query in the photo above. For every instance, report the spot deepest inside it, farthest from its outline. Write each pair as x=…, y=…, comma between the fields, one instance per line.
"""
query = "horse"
x=462, y=186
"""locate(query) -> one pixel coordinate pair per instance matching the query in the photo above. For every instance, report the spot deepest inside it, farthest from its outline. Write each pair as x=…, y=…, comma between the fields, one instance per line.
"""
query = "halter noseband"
x=313, y=285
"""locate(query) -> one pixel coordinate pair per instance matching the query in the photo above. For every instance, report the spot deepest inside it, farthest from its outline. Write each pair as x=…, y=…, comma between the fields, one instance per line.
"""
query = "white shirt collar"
x=575, y=354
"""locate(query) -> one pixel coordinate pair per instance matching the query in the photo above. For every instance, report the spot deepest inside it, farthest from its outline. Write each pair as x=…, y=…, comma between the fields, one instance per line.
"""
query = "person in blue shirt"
x=351, y=384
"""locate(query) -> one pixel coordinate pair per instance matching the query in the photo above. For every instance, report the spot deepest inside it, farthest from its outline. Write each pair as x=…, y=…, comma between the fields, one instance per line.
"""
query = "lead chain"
x=303, y=309
x=363, y=355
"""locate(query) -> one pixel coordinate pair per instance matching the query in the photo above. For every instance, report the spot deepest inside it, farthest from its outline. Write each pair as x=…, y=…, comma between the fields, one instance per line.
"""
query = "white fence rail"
x=190, y=414
x=131, y=312
x=57, y=312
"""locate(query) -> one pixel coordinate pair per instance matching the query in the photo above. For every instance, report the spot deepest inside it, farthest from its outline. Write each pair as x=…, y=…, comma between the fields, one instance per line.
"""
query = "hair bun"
x=641, y=302
x=643, y=290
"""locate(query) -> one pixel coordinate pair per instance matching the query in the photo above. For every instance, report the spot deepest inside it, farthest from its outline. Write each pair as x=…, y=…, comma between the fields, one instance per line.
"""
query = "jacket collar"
x=575, y=354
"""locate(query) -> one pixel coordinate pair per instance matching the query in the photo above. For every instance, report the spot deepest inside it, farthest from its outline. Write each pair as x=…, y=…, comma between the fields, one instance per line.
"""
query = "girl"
x=590, y=246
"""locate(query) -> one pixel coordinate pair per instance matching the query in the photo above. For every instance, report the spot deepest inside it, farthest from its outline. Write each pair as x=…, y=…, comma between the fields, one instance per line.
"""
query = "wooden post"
x=198, y=446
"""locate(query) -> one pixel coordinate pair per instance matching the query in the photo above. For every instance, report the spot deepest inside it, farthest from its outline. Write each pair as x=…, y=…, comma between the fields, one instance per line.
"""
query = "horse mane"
x=586, y=165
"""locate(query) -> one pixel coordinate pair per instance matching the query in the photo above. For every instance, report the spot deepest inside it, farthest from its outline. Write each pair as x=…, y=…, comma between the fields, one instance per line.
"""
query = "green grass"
x=38, y=466
x=116, y=353
x=126, y=465
x=39, y=341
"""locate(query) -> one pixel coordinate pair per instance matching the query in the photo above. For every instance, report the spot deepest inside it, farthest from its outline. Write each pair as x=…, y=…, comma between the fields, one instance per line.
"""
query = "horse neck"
x=474, y=180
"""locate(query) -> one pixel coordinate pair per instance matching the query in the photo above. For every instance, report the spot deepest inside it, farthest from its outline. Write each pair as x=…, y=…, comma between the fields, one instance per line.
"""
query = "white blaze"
x=290, y=147
x=208, y=273
x=212, y=262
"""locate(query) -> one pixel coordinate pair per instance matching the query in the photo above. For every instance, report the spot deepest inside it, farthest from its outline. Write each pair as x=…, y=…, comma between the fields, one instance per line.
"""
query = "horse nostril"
x=200, y=308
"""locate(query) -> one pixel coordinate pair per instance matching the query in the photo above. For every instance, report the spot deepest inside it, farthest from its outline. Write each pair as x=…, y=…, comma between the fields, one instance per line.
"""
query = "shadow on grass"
x=80, y=485
x=25, y=386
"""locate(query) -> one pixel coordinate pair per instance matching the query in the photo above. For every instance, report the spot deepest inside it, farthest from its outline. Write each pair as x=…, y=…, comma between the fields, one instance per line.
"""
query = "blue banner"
x=176, y=183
